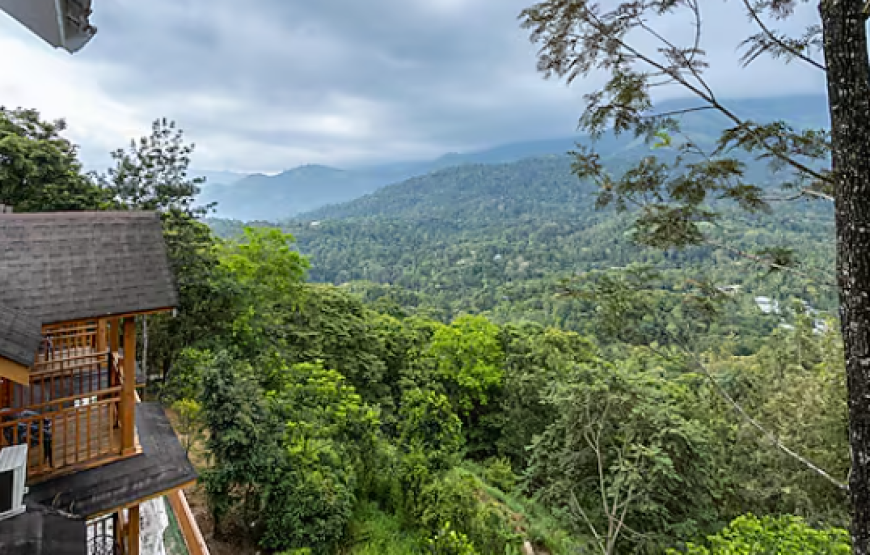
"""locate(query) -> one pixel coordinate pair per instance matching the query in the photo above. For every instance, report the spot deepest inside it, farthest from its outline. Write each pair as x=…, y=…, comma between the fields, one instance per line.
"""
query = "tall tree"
x=674, y=193
x=151, y=174
x=39, y=168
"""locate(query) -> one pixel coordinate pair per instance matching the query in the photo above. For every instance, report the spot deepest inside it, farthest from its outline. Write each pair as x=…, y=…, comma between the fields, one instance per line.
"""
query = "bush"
x=430, y=437
x=308, y=506
x=772, y=536
x=450, y=542
x=498, y=473
x=459, y=497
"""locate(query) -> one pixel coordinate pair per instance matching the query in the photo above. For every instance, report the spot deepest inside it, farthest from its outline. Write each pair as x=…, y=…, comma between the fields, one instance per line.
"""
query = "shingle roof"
x=20, y=336
x=42, y=531
x=61, y=266
x=162, y=465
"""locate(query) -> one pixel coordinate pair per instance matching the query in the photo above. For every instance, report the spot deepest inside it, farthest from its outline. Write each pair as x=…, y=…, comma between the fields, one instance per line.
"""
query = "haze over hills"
x=496, y=238
x=306, y=188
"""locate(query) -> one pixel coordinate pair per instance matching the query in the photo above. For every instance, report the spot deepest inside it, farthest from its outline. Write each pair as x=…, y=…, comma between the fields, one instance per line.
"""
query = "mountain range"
x=309, y=187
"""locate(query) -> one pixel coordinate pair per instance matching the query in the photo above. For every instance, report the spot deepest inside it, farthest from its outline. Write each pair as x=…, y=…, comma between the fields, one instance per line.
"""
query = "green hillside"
x=499, y=239
x=306, y=188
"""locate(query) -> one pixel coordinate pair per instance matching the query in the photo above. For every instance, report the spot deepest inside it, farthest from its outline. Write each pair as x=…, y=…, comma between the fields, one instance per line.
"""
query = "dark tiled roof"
x=163, y=465
x=20, y=336
x=60, y=266
x=40, y=531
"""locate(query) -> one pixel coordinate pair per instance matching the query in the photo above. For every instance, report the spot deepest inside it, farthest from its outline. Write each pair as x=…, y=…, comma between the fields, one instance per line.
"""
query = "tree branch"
x=770, y=436
x=709, y=98
x=764, y=431
x=775, y=39
x=767, y=262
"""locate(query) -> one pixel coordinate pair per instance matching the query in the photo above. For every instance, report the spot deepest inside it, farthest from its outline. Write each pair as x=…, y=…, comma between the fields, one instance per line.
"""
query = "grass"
x=173, y=541
x=541, y=527
x=374, y=532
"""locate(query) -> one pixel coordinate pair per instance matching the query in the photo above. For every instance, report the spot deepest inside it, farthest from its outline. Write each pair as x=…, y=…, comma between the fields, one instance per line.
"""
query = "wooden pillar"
x=133, y=531
x=114, y=334
x=128, y=395
x=101, y=336
x=120, y=528
x=5, y=393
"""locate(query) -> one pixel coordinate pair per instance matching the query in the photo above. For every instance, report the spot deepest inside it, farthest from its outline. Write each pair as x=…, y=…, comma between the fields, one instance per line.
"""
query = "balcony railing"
x=69, y=416
x=105, y=535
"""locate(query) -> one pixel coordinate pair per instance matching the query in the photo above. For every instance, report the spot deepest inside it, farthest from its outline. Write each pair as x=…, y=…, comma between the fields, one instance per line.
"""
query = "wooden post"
x=133, y=530
x=187, y=523
x=101, y=335
x=128, y=395
x=120, y=528
x=114, y=334
x=5, y=397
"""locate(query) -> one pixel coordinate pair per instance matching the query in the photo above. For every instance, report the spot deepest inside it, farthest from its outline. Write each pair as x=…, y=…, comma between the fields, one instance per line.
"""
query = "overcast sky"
x=266, y=85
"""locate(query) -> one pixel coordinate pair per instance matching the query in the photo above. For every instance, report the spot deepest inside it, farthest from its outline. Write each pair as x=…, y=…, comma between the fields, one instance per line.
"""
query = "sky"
x=267, y=85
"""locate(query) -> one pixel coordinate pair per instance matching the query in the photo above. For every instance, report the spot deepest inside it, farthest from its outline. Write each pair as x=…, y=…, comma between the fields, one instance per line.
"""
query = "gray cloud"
x=269, y=84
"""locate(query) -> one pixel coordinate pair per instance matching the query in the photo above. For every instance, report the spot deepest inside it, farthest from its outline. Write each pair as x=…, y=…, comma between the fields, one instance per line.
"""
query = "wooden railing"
x=187, y=523
x=60, y=437
x=82, y=372
x=61, y=340
x=69, y=415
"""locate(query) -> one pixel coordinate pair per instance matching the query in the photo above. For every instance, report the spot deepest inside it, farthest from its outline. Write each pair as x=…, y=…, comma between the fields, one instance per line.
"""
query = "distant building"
x=767, y=305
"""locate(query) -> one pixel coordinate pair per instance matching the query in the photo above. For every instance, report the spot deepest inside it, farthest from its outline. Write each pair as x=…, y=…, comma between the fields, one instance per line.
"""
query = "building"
x=72, y=286
x=61, y=23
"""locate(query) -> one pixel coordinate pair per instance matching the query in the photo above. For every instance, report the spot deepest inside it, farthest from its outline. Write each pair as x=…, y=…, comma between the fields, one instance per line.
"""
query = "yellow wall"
x=14, y=371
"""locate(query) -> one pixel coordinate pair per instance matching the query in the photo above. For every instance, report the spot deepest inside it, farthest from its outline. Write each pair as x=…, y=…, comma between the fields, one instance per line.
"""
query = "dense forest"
x=507, y=240
x=607, y=397
x=561, y=391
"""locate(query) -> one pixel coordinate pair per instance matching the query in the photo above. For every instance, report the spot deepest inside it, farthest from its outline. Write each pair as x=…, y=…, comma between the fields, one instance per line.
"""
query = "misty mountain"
x=306, y=188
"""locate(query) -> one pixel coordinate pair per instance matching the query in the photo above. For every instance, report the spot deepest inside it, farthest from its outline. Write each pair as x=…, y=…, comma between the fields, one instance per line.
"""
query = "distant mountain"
x=498, y=237
x=306, y=188
x=218, y=177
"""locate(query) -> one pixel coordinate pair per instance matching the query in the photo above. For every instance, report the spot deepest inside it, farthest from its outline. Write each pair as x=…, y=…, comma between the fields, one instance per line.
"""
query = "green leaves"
x=330, y=441
x=39, y=169
x=151, y=174
x=772, y=536
x=625, y=454
x=467, y=356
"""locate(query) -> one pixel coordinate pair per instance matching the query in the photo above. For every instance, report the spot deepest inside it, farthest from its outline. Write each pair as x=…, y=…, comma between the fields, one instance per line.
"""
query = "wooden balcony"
x=71, y=414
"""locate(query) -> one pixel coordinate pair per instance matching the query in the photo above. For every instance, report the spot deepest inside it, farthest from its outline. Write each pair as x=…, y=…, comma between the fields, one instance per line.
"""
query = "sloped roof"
x=42, y=531
x=162, y=466
x=20, y=336
x=62, y=266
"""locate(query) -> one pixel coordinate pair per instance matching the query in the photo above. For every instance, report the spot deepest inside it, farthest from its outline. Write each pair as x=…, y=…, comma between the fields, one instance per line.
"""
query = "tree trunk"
x=845, y=45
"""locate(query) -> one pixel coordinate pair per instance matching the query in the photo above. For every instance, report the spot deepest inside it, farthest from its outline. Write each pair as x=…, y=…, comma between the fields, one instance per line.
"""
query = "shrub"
x=459, y=497
x=450, y=542
x=772, y=536
x=498, y=473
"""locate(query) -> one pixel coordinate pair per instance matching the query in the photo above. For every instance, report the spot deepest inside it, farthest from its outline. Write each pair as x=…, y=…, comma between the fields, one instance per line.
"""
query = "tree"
x=39, y=169
x=626, y=457
x=674, y=192
x=151, y=174
x=190, y=421
x=243, y=441
x=468, y=358
x=268, y=274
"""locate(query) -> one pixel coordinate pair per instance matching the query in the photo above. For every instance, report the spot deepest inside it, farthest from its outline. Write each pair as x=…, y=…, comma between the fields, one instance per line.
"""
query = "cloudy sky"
x=265, y=85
